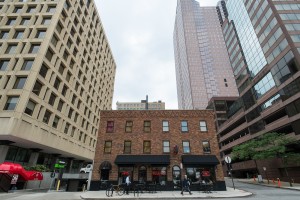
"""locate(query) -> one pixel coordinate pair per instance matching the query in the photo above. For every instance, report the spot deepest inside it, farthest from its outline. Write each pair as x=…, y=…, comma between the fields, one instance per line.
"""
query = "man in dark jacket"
x=185, y=185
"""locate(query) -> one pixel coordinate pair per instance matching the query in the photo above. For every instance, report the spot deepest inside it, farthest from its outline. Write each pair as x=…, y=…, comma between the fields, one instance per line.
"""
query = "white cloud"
x=140, y=33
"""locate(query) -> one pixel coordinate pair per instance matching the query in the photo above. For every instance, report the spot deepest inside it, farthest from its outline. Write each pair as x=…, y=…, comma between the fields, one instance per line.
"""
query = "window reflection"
x=252, y=50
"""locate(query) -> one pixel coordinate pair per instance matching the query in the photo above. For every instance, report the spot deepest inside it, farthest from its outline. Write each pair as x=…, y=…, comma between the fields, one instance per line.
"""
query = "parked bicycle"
x=120, y=190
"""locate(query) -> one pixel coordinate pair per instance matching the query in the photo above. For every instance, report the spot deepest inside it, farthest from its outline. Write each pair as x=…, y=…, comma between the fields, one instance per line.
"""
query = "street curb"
x=287, y=188
x=170, y=197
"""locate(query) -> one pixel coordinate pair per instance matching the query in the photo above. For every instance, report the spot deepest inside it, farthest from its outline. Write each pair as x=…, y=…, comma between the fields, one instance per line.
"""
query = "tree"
x=245, y=151
x=268, y=145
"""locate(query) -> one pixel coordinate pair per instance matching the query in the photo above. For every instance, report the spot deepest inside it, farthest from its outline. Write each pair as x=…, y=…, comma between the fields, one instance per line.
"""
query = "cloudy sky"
x=140, y=33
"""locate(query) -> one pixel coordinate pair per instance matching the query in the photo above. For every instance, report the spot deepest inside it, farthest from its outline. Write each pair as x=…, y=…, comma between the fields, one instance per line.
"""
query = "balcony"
x=231, y=120
x=278, y=123
x=236, y=142
x=234, y=131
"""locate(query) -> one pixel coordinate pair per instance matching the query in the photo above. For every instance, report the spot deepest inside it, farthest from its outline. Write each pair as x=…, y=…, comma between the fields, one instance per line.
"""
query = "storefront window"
x=199, y=174
x=123, y=173
x=18, y=155
x=176, y=175
x=159, y=175
x=142, y=174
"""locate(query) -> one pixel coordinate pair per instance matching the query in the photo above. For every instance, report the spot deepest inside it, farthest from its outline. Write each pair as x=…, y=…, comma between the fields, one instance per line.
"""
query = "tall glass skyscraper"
x=202, y=65
x=263, y=43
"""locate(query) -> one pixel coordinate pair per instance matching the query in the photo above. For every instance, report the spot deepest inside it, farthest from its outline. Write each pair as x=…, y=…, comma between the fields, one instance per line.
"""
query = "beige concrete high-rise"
x=143, y=105
x=159, y=105
x=203, y=68
x=56, y=73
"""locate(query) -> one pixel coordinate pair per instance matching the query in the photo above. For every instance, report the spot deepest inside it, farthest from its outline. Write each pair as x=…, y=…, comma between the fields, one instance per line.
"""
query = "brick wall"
x=156, y=136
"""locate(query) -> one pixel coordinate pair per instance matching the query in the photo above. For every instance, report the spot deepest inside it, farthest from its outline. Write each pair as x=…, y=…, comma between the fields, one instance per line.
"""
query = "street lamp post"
x=265, y=170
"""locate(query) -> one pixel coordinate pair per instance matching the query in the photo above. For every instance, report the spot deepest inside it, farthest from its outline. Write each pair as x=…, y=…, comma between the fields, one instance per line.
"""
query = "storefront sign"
x=125, y=173
x=205, y=173
x=156, y=173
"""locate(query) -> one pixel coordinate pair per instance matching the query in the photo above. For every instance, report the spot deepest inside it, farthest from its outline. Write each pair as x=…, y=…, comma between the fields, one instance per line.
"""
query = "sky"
x=140, y=34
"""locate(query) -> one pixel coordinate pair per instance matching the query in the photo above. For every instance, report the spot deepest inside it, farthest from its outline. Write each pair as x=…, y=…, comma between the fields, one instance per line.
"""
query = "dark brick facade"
x=156, y=136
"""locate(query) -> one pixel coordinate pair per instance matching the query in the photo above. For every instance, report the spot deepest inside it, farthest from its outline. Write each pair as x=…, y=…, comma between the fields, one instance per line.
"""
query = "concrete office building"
x=202, y=65
x=144, y=105
x=159, y=105
x=263, y=42
x=56, y=73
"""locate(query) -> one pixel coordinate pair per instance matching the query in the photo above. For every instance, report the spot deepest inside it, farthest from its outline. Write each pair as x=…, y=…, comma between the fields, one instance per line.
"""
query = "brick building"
x=157, y=147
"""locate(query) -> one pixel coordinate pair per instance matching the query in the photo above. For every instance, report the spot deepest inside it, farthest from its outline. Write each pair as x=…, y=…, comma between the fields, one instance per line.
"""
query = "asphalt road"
x=265, y=193
x=259, y=193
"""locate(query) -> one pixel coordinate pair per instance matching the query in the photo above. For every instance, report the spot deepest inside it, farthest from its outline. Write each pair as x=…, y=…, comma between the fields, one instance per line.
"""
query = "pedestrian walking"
x=185, y=185
x=128, y=183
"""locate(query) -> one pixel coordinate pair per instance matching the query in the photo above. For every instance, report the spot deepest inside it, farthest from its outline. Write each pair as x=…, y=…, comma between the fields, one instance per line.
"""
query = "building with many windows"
x=263, y=42
x=202, y=65
x=56, y=73
x=157, y=147
x=159, y=105
x=143, y=105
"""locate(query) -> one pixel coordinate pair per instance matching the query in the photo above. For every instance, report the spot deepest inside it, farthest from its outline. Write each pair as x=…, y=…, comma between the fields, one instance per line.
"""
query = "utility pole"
x=229, y=167
x=146, y=103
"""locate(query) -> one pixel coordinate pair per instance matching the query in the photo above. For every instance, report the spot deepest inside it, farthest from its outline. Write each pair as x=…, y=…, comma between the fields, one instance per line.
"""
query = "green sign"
x=59, y=166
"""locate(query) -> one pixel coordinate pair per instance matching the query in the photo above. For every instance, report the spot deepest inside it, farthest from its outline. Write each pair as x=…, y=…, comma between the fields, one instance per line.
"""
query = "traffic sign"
x=228, y=159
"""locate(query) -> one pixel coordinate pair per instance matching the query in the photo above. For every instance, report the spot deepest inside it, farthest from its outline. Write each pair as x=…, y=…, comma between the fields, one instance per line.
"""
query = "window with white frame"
x=203, y=126
x=165, y=125
x=186, y=147
x=184, y=126
x=166, y=146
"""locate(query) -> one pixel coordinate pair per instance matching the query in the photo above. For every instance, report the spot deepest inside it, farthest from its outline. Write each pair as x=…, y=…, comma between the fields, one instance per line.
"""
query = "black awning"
x=105, y=165
x=142, y=159
x=200, y=160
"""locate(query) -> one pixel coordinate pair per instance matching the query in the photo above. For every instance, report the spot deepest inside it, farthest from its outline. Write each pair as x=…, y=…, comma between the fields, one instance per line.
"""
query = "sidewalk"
x=283, y=185
x=97, y=195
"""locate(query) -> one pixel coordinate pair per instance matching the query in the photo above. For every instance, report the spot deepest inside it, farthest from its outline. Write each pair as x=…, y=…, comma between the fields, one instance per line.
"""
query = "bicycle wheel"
x=121, y=191
x=109, y=192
